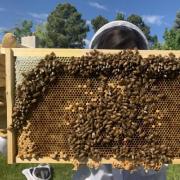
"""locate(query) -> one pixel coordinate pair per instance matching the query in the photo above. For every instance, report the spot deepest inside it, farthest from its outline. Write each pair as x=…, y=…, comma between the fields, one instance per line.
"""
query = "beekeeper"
x=118, y=35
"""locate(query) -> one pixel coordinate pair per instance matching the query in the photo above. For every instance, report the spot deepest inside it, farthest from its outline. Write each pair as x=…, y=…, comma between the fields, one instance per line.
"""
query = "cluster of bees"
x=32, y=88
x=113, y=118
x=116, y=114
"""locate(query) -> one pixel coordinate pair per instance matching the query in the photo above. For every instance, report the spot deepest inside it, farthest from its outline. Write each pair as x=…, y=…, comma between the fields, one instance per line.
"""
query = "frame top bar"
x=79, y=52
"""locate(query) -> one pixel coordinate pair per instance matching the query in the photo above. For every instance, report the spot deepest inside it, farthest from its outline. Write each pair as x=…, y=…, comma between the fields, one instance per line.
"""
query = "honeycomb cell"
x=49, y=125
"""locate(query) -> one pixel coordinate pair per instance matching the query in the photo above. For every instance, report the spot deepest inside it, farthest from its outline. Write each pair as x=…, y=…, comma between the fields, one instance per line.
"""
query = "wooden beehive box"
x=50, y=134
x=2, y=93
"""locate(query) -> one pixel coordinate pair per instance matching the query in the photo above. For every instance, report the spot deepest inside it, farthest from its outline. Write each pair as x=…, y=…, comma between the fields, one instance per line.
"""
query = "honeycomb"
x=50, y=128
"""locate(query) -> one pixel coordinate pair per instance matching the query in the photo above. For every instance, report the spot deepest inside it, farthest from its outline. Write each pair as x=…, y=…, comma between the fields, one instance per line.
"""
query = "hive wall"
x=2, y=93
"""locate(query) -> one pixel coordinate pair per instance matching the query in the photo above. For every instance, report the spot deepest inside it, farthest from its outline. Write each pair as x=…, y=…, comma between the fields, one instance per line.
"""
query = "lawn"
x=13, y=172
x=61, y=172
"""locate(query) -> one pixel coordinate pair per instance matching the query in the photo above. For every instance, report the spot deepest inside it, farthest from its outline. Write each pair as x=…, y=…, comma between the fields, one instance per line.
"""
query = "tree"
x=172, y=39
x=41, y=34
x=177, y=21
x=66, y=28
x=120, y=16
x=138, y=21
x=172, y=36
x=156, y=44
x=98, y=22
x=23, y=29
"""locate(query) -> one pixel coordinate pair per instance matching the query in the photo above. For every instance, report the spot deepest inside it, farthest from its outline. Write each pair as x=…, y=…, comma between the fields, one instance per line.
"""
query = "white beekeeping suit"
x=3, y=145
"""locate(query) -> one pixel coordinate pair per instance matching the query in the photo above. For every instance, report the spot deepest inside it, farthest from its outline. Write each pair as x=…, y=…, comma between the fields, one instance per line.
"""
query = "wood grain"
x=10, y=74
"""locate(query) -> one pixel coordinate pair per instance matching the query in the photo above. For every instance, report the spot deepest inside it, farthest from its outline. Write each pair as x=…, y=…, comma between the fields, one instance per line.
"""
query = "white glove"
x=30, y=173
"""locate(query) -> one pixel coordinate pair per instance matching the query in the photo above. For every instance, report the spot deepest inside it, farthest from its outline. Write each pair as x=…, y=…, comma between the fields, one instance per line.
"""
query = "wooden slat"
x=10, y=101
x=50, y=160
x=45, y=51
x=61, y=161
x=42, y=160
x=2, y=70
x=81, y=52
x=78, y=52
x=176, y=161
x=3, y=120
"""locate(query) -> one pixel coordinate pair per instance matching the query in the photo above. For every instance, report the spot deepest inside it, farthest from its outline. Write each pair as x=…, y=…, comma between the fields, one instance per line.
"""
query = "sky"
x=158, y=14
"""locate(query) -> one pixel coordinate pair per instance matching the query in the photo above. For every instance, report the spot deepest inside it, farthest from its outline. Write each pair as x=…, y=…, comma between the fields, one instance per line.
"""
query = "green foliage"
x=172, y=36
x=172, y=39
x=173, y=172
x=66, y=28
x=156, y=44
x=23, y=29
x=41, y=34
x=98, y=22
x=138, y=21
x=120, y=16
x=177, y=21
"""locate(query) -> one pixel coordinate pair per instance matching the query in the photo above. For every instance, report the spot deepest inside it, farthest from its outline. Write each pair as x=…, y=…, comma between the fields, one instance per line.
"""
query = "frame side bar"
x=10, y=80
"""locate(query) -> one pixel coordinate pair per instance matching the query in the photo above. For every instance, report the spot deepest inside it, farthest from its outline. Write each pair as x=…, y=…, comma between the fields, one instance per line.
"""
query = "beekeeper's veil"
x=121, y=26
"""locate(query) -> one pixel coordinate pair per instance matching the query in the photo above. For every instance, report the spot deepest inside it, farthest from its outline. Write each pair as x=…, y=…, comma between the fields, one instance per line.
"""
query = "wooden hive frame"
x=10, y=55
x=2, y=93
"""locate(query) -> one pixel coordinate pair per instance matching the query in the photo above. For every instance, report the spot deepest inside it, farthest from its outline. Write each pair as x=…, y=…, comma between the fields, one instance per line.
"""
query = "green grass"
x=173, y=172
x=60, y=172
x=13, y=172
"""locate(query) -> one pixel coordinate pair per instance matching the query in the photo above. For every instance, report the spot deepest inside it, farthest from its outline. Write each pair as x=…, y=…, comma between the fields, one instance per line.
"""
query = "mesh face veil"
x=119, y=35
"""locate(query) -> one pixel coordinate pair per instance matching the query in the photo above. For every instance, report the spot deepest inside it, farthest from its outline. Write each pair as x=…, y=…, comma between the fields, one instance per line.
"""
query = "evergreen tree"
x=66, y=28
x=98, y=22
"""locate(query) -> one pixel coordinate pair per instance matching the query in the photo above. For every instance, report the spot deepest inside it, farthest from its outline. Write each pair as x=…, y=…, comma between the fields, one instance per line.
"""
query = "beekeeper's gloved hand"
x=41, y=172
